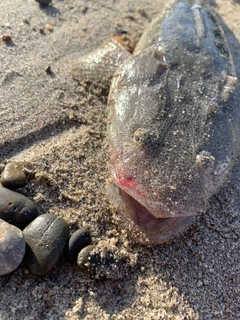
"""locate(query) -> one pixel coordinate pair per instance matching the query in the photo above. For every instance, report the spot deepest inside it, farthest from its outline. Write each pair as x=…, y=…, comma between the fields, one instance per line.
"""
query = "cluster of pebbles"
x=39, y=241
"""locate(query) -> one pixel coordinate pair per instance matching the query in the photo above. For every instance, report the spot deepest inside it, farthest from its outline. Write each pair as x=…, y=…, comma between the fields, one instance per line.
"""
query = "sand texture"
x=57, y=130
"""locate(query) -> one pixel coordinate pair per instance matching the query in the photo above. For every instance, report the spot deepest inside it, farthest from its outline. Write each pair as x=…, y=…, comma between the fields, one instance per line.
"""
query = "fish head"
x=171, y=142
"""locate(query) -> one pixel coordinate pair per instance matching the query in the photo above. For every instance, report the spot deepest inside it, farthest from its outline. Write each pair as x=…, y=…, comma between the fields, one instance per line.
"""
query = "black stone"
x=104, y=264
x=46, y=238
x=86, y=261
x=79, y=239
x=91, y=262
x=16, y=208
x=12, y=247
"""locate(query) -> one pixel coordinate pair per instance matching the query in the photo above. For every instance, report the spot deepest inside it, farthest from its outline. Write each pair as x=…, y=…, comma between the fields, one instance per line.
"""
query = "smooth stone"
x=13, y=176
x=86, y=262
x=16, y=208
x=46, y=239
x=12, y=247
x=43, y=1
x=78, y=240
x=92, y=263
x=106, y=263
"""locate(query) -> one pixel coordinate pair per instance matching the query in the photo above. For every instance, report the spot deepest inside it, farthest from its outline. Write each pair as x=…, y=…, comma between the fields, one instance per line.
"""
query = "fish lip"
x=166, y=226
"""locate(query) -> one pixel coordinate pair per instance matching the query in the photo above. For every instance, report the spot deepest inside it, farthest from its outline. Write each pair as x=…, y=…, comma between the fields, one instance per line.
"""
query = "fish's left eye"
x=205, y=161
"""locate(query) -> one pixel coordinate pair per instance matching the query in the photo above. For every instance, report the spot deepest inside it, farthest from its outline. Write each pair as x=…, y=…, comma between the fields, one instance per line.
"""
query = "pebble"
x=6, y=39
x=79, y=239
x=16, y=208
x=93, y=263
x=46, y=239
x=12, y=247
x=44, y=2
x=105, y=261
x=13, y=176
x=87, y=262
x=49, y=27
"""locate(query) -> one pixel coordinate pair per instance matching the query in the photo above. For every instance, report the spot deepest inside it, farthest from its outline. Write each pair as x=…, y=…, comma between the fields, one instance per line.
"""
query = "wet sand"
x=57, y=130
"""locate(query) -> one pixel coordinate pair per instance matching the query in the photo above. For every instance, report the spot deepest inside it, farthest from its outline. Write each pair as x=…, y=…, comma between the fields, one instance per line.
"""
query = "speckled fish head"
x=171, y=120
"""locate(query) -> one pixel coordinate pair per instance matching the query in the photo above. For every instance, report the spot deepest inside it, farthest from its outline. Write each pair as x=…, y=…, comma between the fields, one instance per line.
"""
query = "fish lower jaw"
x=147, y=222
x=159, y=230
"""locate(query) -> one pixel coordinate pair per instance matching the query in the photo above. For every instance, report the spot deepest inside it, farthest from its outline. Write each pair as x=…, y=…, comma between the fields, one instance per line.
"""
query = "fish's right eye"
x=141, y=136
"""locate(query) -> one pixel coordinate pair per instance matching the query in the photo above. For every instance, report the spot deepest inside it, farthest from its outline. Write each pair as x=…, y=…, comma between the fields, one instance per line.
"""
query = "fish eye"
x=141, y=136
x=205, y=161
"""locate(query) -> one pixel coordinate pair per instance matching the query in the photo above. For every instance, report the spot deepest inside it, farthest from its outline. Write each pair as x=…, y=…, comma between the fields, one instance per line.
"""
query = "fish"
x=173, y=123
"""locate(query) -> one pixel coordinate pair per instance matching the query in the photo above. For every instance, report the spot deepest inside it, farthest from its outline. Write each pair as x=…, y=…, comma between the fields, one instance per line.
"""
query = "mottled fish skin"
x=173, y=122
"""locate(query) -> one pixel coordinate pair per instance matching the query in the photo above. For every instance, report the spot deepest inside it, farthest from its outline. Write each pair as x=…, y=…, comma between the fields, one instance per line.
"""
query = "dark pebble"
x=87, y=262
x=13, y=176
x=107, y=263
x=12, y=247
x=46, y=238
x=92, y=263
x=79, y=239
x=45, y=2
x=6, y=39
x=16, y=208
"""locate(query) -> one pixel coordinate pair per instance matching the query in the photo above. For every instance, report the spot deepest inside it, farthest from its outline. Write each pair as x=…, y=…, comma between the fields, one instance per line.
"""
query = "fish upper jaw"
x=145, y=199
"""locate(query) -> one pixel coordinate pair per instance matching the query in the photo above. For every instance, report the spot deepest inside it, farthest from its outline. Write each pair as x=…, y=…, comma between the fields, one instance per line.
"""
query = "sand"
x=57, y=130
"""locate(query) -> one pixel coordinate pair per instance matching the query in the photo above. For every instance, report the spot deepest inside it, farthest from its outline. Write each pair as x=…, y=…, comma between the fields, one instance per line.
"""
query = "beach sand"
x=57, y=130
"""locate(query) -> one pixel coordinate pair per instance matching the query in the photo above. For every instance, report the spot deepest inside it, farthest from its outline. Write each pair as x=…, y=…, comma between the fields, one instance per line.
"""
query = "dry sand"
x=57, y=130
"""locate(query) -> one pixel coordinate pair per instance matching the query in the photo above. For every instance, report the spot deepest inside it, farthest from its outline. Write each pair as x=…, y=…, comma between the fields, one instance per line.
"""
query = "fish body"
x=173, y=122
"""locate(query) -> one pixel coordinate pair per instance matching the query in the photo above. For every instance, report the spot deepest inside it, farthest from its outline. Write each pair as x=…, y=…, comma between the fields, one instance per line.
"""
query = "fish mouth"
x=160, y=229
